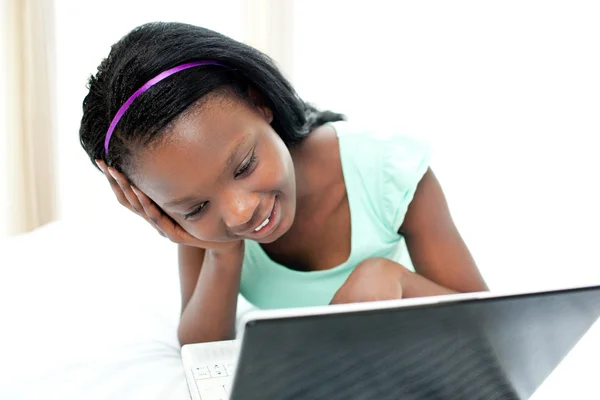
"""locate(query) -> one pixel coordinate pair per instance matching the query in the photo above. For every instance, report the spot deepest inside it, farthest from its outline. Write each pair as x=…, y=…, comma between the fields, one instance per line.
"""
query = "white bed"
x=90, y=309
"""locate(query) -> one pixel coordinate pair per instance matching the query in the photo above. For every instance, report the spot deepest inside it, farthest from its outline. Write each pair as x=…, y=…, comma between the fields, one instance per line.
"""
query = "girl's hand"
x=140, y=204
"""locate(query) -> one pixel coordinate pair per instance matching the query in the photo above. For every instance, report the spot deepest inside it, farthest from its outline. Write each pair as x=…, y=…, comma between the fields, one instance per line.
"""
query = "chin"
x=279, y=232
x=268, y=240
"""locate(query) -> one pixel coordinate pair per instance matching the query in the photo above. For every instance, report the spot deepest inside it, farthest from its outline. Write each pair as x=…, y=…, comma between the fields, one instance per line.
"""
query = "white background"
x=508, y=95
x=506, y=92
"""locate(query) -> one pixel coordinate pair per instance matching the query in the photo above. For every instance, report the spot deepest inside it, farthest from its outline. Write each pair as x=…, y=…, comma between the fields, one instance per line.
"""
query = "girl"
x=265, y=196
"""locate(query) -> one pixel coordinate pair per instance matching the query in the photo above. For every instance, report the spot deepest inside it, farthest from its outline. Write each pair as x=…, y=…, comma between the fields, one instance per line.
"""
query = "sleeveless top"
x=381, y=173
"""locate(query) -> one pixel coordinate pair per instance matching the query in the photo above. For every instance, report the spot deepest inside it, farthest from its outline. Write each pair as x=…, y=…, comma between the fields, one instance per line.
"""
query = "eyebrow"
x=228, y=163
x=179, y=201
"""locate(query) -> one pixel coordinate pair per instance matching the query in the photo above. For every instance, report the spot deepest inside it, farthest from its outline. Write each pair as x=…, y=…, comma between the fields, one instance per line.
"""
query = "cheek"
x=271, y=176
x=275, y=168
x=206, y=228
x=271, y=172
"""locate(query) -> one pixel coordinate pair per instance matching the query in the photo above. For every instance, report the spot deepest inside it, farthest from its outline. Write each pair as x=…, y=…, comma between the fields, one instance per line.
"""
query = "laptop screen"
x=497, y=348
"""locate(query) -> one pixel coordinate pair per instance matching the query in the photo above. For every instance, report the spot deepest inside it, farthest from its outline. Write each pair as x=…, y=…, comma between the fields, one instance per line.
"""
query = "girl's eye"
x=195, y=212
x=246, y=167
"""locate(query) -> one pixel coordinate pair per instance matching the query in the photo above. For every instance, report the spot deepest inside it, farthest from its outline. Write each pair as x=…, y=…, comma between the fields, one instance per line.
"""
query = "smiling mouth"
x=268, y=225
x=265, y=222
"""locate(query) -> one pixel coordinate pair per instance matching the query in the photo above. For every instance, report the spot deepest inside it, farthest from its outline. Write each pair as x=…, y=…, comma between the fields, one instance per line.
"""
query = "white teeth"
x=266, y=221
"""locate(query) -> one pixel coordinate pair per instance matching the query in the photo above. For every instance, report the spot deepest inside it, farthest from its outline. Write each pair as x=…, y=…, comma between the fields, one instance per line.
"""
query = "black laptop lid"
x=501, y=348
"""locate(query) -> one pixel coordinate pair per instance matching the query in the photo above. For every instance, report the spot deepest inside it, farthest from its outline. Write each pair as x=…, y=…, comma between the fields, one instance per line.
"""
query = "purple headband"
x=144, y=88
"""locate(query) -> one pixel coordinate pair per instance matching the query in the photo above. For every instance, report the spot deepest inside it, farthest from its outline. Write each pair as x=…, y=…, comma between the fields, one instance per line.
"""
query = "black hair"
x=155, y=47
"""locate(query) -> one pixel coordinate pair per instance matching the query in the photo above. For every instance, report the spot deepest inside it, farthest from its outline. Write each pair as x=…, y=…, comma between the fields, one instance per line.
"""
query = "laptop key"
x=201, y=373
x=214, y=393
x=205, y=384
x=217, y=370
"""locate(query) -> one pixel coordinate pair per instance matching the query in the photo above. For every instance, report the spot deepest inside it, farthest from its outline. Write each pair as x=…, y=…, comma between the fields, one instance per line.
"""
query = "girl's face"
x=222, y=173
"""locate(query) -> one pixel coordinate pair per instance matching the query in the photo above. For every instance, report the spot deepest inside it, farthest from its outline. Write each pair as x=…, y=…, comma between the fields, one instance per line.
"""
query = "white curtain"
x=269, y=28
x=27, y=173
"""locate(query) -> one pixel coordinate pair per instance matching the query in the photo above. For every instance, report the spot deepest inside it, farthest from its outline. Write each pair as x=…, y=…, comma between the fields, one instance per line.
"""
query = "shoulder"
x=378, y=151
x=318, y=155
x=331, y=146
x=386, y=165
x=319, y=142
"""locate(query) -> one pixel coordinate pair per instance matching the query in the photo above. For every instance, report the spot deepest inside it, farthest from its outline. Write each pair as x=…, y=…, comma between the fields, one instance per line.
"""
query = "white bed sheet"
x=90, y=310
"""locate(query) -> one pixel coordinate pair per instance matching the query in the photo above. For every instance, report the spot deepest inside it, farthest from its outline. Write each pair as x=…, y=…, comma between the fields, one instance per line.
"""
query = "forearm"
x=210, y=313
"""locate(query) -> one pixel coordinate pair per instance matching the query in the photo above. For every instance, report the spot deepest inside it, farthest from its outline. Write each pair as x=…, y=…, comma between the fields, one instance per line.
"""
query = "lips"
x=266, y=224
x=257, y=222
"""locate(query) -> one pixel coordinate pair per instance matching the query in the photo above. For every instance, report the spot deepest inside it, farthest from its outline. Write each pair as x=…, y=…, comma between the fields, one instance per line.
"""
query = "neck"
x=316, y=161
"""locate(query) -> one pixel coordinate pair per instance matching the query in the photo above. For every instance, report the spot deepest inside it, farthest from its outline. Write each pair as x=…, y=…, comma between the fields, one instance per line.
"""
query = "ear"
x=266, y=111
x=259, y=102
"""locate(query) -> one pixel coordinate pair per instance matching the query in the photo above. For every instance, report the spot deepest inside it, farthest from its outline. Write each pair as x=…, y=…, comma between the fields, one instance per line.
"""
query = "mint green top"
x=381, y=175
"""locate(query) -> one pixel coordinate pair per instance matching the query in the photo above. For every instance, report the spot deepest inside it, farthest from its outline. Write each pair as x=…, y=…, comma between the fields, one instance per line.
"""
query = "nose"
x=237, y=209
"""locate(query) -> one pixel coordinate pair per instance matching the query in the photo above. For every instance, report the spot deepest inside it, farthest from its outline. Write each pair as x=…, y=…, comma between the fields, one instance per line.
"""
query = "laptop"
x=466, y=346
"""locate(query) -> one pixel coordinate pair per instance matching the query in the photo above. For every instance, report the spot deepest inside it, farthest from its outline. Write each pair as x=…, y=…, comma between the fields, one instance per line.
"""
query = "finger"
x=104, y=168
x=113, y=183
x=125, y=187
x=144, y=214
x=116, y=188
x=133, y=202
x=158, y=218
x=100, y=164
x=154, y=213
x=122, y=188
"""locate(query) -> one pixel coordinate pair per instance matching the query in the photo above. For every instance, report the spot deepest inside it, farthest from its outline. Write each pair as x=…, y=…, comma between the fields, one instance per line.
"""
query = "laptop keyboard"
x=214, y=380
